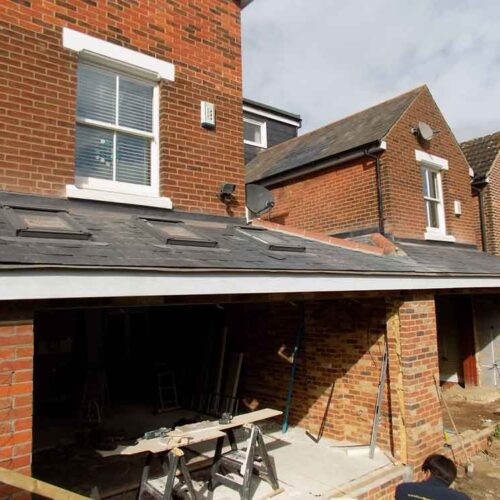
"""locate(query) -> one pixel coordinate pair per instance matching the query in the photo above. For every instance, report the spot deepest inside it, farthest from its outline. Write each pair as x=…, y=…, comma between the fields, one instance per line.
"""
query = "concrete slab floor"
x=305, y=469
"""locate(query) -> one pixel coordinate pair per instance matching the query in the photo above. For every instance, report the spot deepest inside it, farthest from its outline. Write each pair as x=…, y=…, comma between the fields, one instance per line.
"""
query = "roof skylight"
x=272, y=240
x=44, y=223
x=175, y=232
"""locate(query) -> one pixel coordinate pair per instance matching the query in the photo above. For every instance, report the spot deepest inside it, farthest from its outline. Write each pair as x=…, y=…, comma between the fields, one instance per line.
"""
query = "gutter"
x=379, y=147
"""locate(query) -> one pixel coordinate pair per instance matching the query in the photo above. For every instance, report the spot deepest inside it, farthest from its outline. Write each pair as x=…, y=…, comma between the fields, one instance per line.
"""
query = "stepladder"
x=238, y=469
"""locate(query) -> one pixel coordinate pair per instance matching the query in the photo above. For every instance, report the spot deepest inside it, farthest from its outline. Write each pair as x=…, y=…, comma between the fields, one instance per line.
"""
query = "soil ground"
x=485, y=481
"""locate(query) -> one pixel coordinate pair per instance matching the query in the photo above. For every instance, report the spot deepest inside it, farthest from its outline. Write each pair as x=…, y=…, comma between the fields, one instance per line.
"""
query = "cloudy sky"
x=325, y=59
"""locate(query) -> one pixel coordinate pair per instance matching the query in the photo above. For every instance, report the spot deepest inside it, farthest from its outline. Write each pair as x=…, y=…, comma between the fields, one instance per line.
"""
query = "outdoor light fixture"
x=226, y=192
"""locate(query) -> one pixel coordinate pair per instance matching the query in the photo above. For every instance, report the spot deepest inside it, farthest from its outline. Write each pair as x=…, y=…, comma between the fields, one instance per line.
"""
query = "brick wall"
x=344, y=198
x=491, y=198
x=336, y=200
x=38, y=85
x=16, y=396
x=402, y=182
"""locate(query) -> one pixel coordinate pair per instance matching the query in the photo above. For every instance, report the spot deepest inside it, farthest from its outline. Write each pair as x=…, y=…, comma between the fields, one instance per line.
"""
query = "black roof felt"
x=360, y=129
x=119, y=241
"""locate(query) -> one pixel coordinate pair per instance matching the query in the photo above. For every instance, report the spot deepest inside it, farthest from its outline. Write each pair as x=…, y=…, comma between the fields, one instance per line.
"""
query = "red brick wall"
x=16, y=395
x=38, y=84
x=402, y=181
x=492, y=210
x=343, y=198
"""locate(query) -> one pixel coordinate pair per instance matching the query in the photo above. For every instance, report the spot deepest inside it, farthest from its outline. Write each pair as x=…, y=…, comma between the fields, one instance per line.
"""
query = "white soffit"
x=100, y=50
x=78, y=283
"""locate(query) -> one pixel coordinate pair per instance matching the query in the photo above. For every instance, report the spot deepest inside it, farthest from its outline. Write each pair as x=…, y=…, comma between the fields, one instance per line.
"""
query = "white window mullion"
x=117, y=116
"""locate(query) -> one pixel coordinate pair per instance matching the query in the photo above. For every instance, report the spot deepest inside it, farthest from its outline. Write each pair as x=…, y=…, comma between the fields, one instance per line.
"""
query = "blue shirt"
x=432, y=489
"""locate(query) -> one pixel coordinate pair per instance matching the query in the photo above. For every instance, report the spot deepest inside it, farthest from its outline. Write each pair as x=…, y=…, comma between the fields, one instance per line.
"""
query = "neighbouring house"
x=395, y=169
x=131, y=281
x=483, y=154
x=266, y=126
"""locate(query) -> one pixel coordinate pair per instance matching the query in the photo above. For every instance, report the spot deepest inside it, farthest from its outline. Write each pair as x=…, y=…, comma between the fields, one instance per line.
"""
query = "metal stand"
x=246, y=463
x=162, y=487
x=378, y=406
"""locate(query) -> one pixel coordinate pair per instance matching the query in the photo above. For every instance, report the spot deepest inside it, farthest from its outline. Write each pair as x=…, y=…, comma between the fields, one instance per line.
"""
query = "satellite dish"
x=259, y=198
x=425, y=131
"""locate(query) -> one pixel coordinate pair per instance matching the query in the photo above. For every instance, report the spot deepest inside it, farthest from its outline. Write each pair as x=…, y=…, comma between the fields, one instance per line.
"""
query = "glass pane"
x=133, y=159
x=44, y=220
x=253, y=133
x=96, y=94
x=173, y=230
x=425, y=181
x=433, y=187
x=432, y=214
x=135, y=105
x=94, y=152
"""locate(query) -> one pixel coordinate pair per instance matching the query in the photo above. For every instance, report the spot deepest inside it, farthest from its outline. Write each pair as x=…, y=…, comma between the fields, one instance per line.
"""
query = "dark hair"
x=441, y=467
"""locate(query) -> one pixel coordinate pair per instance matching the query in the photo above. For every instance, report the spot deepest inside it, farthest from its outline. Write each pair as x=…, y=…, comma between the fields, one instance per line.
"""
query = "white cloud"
x=326, y=59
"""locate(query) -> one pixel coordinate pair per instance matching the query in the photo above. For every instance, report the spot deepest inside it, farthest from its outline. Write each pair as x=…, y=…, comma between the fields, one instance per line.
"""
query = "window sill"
x=256, y=144
x=439, y=237
x=112, y=197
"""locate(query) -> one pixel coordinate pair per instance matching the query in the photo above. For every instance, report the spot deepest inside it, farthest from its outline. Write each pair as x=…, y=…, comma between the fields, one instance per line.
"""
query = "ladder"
x=167, y=391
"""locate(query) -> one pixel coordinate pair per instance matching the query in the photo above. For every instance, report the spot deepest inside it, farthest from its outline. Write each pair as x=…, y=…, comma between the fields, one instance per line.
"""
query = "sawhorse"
x=252, y=461
x=162, y=487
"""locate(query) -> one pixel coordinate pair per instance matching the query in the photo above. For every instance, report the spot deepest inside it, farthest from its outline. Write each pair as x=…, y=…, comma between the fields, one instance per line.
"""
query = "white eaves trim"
x=116, y=197
x=30, y=284
x=101, y=51
x=272, y=116
x=432, y=160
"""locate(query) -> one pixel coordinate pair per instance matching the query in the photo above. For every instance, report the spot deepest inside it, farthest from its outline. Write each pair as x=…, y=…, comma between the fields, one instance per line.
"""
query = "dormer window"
x=255, y=132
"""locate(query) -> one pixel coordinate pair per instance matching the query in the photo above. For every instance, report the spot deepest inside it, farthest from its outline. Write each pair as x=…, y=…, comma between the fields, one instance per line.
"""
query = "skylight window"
x=44, y=223
x=273, y=241
x=175, y=232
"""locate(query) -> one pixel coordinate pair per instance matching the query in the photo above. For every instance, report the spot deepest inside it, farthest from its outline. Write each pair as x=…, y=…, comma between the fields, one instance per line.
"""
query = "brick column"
x=417, y=424
x=16, y=395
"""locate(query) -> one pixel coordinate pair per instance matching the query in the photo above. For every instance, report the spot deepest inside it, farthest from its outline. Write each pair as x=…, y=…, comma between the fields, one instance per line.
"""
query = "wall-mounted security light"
x=226, y=192
x=457, y=206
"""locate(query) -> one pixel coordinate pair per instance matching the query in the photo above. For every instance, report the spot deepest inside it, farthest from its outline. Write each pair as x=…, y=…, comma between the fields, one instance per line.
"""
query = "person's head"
x=440, y=467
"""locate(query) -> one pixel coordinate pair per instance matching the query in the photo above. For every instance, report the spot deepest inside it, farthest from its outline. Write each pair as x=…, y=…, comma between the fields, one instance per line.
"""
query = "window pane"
x=253, y=133
x=133, y=159
x=96, y=94
x=433, y=189
x=135, y=105
x=432, y=214
x=425, y=181
x=94, y=152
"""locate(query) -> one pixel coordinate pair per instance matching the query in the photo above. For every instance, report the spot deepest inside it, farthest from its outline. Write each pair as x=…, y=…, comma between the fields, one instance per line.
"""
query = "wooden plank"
x=27, y=483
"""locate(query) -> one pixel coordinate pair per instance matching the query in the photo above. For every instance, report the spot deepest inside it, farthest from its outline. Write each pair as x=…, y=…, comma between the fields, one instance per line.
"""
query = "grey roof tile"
x=360, y=129
x=481, y=152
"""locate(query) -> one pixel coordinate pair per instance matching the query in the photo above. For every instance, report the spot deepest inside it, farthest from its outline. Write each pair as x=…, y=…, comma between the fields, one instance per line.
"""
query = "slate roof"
x=119, y=241
x=361, y=129
x=481, y=153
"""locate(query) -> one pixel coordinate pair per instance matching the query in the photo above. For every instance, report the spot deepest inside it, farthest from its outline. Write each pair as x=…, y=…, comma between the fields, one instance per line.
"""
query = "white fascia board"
x=107, y=51
x=431, y=160
x=78, y=283
x=272, y=116
x=75, y=192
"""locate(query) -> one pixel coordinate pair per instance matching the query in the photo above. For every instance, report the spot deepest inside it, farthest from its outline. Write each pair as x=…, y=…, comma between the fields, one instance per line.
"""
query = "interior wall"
x=487, y=330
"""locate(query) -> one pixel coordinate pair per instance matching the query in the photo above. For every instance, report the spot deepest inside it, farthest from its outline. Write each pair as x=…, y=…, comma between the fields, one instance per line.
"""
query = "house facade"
x=125, y=252
x=394, y=169
x=483, y=154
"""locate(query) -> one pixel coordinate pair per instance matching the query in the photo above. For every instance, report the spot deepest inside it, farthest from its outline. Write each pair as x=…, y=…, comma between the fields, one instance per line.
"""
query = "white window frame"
x=435, y=164
x=153, y=189
x=131, y=64
x=263, y=132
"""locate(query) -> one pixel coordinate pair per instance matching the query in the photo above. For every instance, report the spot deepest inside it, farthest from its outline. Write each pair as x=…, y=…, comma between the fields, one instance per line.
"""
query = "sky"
x=325, y=59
